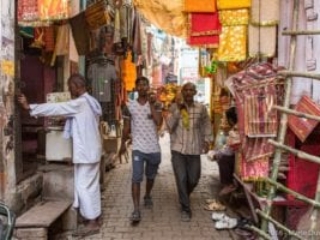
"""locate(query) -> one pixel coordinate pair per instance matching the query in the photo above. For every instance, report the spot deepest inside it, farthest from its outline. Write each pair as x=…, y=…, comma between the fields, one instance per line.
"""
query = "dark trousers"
x=226, y=169
x=187, y=170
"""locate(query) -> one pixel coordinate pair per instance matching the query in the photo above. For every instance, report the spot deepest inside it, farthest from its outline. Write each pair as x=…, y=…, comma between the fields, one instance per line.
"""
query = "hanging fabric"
x=303, y=127
x=234, y=17
x=28, y=11
x=49, y=38
x=203, y=29
x=53, y=10
x=97, y=15
x=203, y=24
x=262, y=41
x=81, y=33
x=195, y=6
x=232, y=4
x=233, y=43
x=265, y=13
x=167, y=15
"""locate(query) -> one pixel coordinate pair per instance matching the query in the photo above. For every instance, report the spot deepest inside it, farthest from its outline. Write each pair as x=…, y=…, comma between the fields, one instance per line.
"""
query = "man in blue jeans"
x=143, y=116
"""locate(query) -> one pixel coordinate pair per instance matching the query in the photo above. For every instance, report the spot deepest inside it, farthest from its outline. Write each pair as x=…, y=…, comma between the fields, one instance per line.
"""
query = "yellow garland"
x=185, y=118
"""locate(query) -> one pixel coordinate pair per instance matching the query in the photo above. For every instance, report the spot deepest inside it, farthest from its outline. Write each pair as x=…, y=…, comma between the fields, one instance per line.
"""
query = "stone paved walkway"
x=163, y=221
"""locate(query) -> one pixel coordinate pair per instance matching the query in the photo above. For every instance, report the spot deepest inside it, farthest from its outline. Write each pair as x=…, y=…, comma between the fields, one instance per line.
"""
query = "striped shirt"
x=189, y=141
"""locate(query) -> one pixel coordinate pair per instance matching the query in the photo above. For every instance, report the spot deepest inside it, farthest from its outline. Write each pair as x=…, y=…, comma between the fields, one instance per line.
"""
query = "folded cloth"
x=201, y=24
x=303, y=127
x=262, y=41
x=200, y=6
x=265, y=13
x=233, y=43
x=232, y=4
x=234, y=17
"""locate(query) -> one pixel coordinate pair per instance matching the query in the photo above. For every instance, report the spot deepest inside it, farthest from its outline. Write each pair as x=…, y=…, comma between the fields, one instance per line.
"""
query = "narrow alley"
x=163, y=221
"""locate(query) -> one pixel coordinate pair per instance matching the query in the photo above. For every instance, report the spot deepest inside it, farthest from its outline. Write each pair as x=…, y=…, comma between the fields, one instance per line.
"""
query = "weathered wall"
x=7, y=72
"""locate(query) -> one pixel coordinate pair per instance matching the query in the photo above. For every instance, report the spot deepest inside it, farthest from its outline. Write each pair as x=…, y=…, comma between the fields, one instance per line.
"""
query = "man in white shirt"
x=82, y=113
x=143, y=116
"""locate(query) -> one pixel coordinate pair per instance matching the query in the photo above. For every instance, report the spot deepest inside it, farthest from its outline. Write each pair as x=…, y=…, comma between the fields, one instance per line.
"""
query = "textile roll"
x=262, y=41
x=233, y=4
x=233, y=43
x=201, y=24
x=265, y=13
x=200, y=6
x=234, y=17
x=302, y=127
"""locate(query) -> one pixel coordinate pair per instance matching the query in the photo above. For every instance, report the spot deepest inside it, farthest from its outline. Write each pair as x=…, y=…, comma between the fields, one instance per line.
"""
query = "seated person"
x=225, y=156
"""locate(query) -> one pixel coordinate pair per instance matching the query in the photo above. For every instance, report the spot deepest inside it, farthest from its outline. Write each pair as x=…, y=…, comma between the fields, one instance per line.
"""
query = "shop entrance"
x=37, y=78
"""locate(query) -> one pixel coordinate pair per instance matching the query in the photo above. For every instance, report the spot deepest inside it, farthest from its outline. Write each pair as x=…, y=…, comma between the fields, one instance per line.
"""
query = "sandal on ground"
x=86, y=231
x=218, y=216
x=214, y=206
x=210, y=200
x=135, y=216
x=245, y=234
x=227, y=189
x=226, y=223
x=148, y=202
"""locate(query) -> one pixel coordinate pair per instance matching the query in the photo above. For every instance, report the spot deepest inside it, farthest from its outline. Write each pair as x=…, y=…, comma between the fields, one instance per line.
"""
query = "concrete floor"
x=163, y=221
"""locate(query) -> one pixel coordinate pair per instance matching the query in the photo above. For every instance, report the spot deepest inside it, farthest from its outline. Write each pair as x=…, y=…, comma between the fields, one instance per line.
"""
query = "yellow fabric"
x=200, y=6
x=129, y=72
x=234, y=17
x=233, y=4
x=167, y=15
x=53, y=9
x=233, y=43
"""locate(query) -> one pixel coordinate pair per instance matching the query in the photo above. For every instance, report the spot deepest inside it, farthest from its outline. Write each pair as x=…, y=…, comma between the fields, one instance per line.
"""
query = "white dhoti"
x=87, y=195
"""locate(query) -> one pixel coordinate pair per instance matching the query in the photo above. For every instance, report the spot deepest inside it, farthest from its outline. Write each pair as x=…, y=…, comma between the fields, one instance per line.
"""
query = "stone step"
x=43, y=214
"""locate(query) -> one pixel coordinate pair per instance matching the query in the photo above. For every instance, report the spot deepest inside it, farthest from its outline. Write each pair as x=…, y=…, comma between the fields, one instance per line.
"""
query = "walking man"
x=82, y=113
x=143, y=116
x=190, y=134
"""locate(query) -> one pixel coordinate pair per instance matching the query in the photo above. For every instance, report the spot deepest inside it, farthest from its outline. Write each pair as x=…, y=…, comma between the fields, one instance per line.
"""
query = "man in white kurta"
x=82, y=125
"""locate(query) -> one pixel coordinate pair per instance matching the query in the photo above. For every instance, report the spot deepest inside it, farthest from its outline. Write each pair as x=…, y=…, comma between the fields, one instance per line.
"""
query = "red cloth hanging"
x=204, y=29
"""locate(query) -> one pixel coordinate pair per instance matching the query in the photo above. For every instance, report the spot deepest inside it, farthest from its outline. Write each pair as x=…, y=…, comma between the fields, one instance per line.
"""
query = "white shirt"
x=83, y=114
x=144, y=130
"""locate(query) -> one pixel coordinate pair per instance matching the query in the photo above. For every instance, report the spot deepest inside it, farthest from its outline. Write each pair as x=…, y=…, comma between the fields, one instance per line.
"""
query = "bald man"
x=82, y=125
x=190, y=136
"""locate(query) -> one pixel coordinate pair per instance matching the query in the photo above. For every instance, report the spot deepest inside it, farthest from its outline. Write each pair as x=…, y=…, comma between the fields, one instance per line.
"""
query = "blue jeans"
x=152, y=161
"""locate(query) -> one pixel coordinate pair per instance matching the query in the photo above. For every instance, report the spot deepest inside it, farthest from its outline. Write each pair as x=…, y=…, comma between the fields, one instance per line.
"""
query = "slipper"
x=210, y=200
x=85, y=231
x=135, y=216
x=226, y=223
x=245, y=234
x=217, y=216
x=215, y=206
x=226, y=190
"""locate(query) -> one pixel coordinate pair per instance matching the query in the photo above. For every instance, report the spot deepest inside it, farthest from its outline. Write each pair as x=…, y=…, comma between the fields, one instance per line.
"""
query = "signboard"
x=189, y=74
